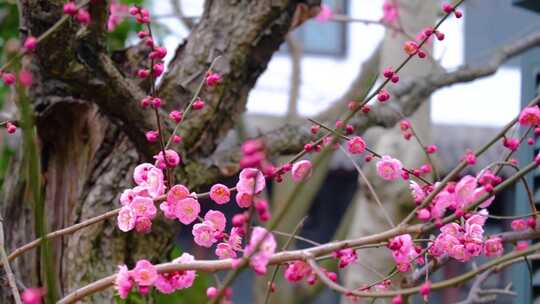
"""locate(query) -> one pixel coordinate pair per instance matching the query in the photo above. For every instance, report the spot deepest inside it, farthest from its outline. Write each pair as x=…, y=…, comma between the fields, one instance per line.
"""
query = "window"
x=328, y=38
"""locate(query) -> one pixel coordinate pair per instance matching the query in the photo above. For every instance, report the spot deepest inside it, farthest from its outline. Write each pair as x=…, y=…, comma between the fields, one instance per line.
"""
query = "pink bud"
x=238, y=220
x=142, y=34
x=422, y=54
x=152, y=136
x=198, y=104
x=447, y=8
x=30, y=44
x=366, y=109
x=176, y=116
x=315, y=129
x=8, y=78
x=156, y=102
x=177, y=139
x=145, y=102
x=70, y=8
x=383, y=96
x=397, y=300
x=431, y=149
x=425, y=289
x=458, y=14
x=211, y=292
x=133, y=10
x=10, y=127
x=212, y=79
x=83, y=17
x=388, y=72
x=395, y=78
x=25, y=77
x=158, y=69
x=423, y=214
x=352, y=105
x=142, y=73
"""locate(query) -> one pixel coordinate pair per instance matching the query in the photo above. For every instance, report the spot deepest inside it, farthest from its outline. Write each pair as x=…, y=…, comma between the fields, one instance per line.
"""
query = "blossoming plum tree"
x=113, y=158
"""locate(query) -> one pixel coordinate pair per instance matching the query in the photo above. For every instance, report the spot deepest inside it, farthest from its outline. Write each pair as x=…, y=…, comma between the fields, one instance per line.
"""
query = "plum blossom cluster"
x=457, y=197
x=138, y=209
x=463, y=242
x=145, y=276
x=404, y=252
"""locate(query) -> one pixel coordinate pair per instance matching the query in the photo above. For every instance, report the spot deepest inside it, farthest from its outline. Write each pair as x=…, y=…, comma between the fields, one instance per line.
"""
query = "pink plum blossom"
x=32, y=296
x=530, y=116
x=251, y=181
x=220, y=194
x=389, y=168
x=216, y=219
x=126, y=218
x=204, y=234
x=187, y=210
x=123, y=282
x=172, y=159
x=144, y=273
x=356, y=145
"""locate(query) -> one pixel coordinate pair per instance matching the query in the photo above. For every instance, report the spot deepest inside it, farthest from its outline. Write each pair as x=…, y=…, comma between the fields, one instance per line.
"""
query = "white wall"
x=492, y=101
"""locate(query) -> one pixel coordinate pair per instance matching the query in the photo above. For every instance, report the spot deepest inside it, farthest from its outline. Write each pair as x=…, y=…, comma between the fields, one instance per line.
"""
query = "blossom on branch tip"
x=187, y=210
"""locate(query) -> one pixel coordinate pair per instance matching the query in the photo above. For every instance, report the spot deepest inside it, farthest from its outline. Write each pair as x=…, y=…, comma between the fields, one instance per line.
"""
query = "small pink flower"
x=204, y=234
x=251, y=181
x=410, y=47
x=225, y=251
x=216, y=219
x=126, y=219
x=220, y=194
x=143, y=206
x=244, y=200
x=187, y=210
x=530, y=116
x=123, y=282
x=32, y=296
x=325, y=14
x=389, y=168
x=356, y=145
x=144, y=273
x=423, y=214
x=301, y=170
x=493, y=247
x=172, y=159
